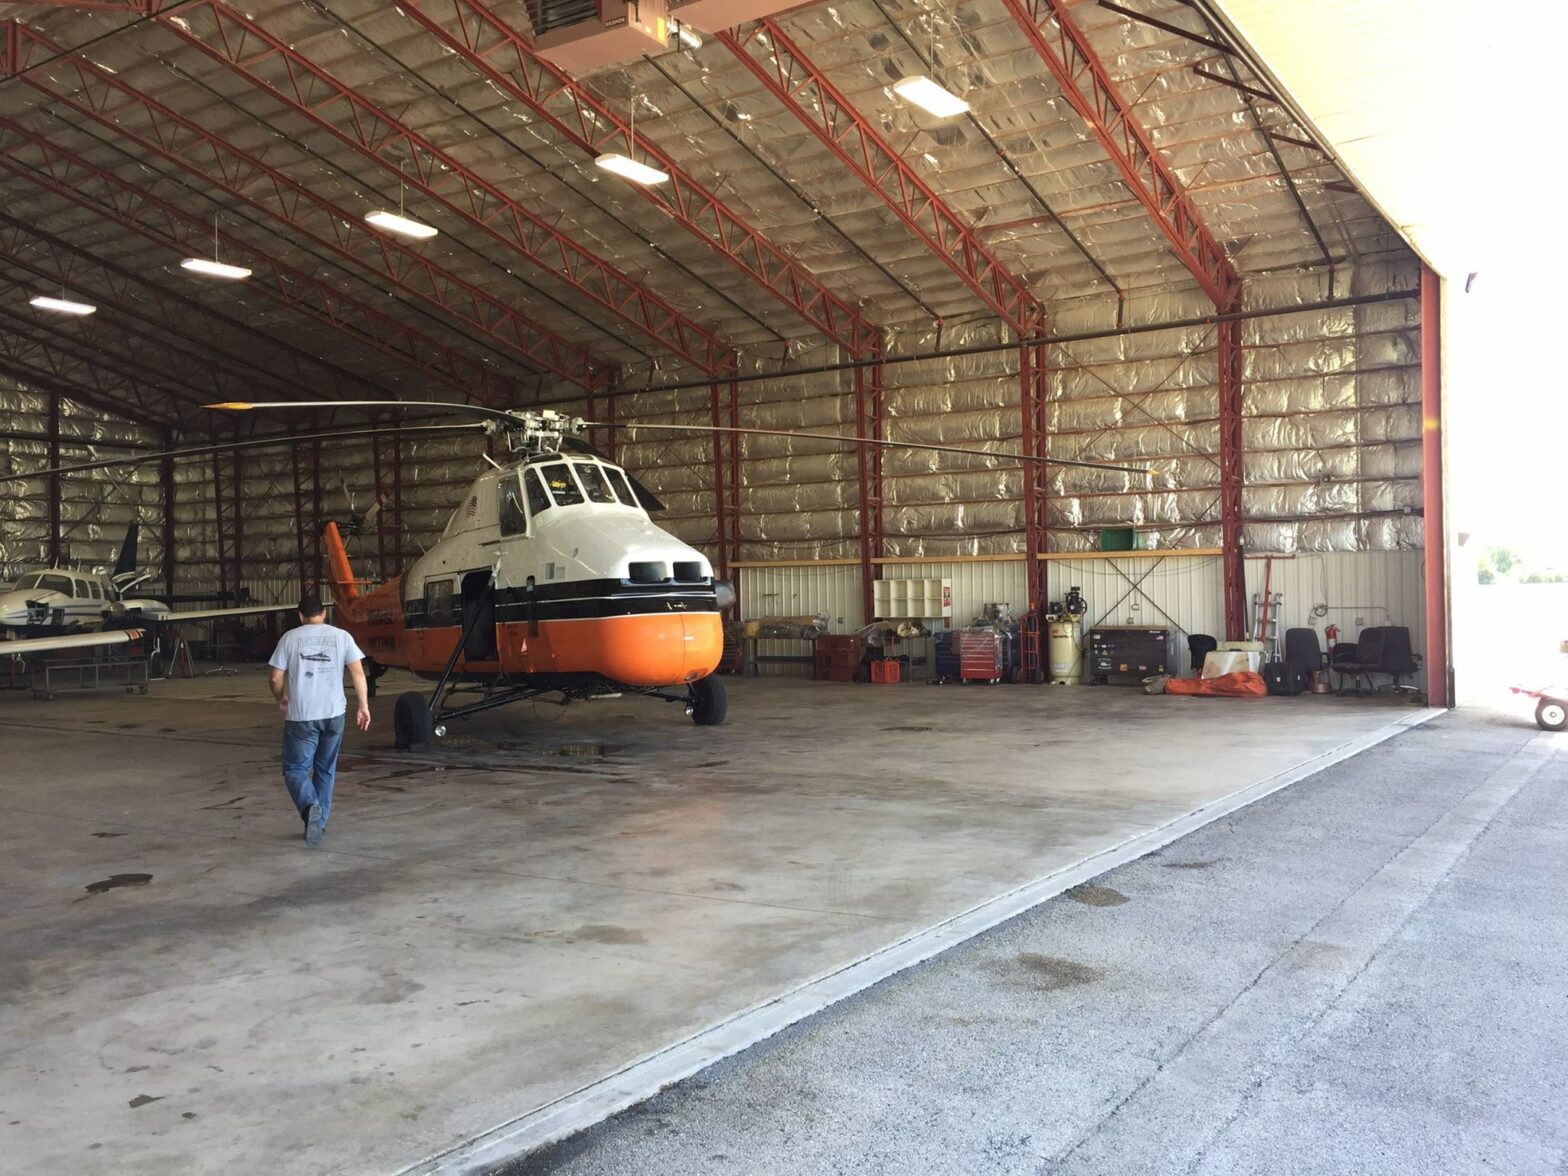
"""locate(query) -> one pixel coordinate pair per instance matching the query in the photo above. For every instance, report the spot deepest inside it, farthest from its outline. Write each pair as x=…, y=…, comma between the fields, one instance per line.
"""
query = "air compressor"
x=1064, y=639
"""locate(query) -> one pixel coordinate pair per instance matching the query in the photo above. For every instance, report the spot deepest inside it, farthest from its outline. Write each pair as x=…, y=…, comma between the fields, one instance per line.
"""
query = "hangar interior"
x=1129, y=248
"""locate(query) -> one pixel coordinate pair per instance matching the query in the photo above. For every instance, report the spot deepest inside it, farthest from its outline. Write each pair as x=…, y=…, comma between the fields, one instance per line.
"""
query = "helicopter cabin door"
x=478, y=612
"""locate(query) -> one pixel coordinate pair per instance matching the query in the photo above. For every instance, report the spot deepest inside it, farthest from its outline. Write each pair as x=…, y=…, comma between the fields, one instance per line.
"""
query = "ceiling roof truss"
x=238, y=42
x=805, y=90
x=103, y=97
x=1087, y=85
x=45, y=162
x=505, y=57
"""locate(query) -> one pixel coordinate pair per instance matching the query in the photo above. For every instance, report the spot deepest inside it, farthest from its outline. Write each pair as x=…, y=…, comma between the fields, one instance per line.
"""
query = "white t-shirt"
x=313, y=657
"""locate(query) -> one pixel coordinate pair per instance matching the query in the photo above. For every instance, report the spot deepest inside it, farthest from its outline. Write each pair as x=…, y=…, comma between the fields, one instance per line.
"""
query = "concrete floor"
x=1362, y=973
x=549, y=897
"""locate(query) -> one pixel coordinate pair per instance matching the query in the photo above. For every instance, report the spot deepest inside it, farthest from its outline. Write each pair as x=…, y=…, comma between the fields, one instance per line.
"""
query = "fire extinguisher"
x=1332, y=633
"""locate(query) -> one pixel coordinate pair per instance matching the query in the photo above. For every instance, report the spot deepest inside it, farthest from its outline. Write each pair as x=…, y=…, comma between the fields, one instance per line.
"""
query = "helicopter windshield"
x=563, y=487
x=592, y=478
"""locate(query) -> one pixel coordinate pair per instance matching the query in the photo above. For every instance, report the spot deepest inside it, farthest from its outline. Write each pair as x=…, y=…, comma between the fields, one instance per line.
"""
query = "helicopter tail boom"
x=344, y=587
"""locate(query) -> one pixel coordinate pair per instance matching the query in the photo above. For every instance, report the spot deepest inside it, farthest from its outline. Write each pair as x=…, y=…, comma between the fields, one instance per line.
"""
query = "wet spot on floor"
x=224, y=805
x=713, y=763
x=1100, y=896
x=142, y=1100
x=115, y=881
x=1190, y=865
x=392, y=989
x=906, y=728
x=1045, y=973
x=586, y=750
x=606, y=933
x=167, y=730
x=108, y=834
x=188, y=1115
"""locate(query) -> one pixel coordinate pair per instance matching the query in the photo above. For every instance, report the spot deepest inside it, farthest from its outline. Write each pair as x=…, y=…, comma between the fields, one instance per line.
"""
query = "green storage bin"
x=1117, y=539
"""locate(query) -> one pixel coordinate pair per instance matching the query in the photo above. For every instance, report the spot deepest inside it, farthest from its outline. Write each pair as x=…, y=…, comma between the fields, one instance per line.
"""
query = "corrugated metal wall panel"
x=974, y=584
x=1353, y=589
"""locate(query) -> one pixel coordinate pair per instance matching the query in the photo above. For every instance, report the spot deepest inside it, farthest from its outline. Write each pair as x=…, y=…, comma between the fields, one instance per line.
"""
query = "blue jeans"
x=310, y=762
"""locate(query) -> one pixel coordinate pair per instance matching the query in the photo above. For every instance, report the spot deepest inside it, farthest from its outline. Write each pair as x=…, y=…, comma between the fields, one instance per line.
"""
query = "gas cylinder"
x=1065, y=651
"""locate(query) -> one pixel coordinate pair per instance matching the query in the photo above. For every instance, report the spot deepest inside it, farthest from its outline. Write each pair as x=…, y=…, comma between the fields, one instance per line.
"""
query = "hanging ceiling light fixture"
x=62, y=305
x=397, y=222
x=213, y=268
x=929, y=96
x=627, y=167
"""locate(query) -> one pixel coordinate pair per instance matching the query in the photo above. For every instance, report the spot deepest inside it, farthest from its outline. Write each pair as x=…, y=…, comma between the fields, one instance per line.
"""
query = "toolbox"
x=1130, y=649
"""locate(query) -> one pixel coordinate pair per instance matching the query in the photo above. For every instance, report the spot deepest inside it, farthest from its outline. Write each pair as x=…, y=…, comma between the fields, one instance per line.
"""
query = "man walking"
x=307, y=680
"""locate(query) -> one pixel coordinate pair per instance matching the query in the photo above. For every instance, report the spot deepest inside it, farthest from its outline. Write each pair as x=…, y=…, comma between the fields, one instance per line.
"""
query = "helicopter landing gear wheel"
x=1551, y=715
x=708, y=701
x=412, y=725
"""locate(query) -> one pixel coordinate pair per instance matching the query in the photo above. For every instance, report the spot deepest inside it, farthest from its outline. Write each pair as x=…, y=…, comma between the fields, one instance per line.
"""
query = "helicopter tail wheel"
x=412, y=724
x=1551, y=715
x=708, y=701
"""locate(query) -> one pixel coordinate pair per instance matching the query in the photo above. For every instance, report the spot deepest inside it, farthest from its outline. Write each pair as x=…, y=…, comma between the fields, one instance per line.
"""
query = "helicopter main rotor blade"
x=228, y=446
x=851, y=439
x=476, y=410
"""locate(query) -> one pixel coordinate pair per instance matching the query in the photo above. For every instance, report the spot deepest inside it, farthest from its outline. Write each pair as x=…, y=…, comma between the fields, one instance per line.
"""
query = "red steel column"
x=1232, y=558
x=1033, y=386
x=169, y=532
x=868, y=470
x=1438, y=673
x=54, y=482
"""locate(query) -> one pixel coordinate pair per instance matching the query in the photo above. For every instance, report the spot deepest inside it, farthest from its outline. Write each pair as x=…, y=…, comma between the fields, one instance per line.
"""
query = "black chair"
x=1199, y=646
x=1381, y=650
x=1302, y=651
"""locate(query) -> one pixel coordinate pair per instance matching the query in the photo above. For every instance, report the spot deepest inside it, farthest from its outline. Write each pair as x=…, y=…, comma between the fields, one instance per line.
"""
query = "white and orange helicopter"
x=549, y=578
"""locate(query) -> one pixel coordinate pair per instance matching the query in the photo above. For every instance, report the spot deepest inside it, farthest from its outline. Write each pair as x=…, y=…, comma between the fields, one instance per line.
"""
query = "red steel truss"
x=43, y=162
x=805, y=91
x=505, y=57
x=1234, y=569
x=1087, y=84
x=187, y=379
x=172, y=316
x=239, y=43
x=53, y=367
x=166, y=135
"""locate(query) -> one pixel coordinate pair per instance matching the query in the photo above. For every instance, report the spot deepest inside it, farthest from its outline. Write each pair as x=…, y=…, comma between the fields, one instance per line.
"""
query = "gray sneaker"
x=314, y=826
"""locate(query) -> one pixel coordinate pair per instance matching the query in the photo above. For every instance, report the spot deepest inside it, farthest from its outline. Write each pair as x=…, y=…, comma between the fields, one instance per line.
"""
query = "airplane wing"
x=212, y=614
x=99, y=639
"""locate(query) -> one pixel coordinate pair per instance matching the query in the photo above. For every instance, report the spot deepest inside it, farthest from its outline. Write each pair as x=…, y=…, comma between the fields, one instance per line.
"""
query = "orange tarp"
x=1242, y=685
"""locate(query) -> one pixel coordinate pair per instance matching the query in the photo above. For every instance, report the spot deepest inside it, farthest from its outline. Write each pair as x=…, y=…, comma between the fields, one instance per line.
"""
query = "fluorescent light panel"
x=927, y=95
x=403, y=226
x=215, y=269
x=630, y=169
x=62, y=305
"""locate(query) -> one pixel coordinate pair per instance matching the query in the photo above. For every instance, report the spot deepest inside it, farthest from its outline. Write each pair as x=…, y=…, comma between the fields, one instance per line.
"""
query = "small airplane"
x=57, y=608
x=549, y=577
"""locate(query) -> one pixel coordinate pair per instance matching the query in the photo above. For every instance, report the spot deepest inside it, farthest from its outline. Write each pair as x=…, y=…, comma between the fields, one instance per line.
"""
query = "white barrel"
x=1064, y=657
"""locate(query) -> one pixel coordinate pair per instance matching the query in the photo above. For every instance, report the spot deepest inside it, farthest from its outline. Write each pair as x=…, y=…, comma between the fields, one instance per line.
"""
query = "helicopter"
x=550, y=576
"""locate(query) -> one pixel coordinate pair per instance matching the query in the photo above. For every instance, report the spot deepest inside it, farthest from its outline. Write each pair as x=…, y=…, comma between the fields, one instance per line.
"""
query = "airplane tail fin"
x=127, y=561
x=339, y=570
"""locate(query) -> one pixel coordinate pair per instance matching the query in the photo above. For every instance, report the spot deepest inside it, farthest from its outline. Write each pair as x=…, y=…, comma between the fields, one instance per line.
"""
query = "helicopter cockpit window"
x=513, y=521
x=563, y=487
x=623, y=488
x=593, y=482
x=538, y=500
